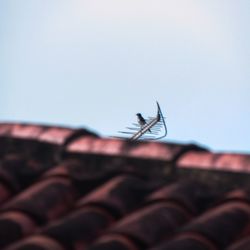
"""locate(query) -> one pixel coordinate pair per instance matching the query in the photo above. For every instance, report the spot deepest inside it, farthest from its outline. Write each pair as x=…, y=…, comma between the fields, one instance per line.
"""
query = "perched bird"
x=141, y=120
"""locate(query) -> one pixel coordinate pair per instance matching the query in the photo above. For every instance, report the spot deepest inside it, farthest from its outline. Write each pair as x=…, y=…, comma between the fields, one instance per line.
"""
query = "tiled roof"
x=69, y=189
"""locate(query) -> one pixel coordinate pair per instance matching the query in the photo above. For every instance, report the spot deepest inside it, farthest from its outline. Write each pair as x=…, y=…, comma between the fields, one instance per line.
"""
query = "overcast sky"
x=96, y=63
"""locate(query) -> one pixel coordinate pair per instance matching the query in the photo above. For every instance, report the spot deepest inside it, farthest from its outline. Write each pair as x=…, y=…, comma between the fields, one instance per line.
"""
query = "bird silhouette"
x=142, y=121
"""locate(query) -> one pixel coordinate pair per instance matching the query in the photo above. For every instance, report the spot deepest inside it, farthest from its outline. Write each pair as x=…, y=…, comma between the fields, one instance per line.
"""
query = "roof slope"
x=64, y=188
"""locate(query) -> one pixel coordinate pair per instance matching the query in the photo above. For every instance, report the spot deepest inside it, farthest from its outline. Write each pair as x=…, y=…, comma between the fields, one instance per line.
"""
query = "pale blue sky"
x=97, y=63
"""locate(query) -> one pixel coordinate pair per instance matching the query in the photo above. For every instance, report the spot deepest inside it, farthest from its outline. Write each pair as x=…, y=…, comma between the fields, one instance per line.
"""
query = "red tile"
x=238, y=194
x=79, y=228
x=234, y=162
x=201, y=160
x=89, y=144
x=26, y=131
x=61, y=136
x=66, y=168
x=119, y=195
x=208, y=160
x=84, y=181
x=8, y=180
x=13, y=164
x=56, y=135
x=14, y=226
x=22, y=138
x=190, y=194
x=74, y=169
x=152, y=224
x=154, y=150
x=114, y=242
x=146, y=150
x=243, y=244
x=190, y=241
x=36, y=243
x=44, y=201
x=4, y=138
x=21, y=169
x=222, y=224
x=5, y=129
x=5, y=193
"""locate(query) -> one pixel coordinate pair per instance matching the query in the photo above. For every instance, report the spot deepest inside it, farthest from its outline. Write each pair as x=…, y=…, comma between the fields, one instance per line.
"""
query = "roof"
x=66, y=188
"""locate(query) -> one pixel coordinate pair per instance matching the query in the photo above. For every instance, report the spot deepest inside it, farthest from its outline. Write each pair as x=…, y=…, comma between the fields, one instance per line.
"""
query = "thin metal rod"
x=136, y=124
x=137, y=129
x=125, y=132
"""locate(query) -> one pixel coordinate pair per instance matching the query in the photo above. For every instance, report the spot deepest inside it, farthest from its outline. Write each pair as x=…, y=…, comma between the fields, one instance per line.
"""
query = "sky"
x=96, y=63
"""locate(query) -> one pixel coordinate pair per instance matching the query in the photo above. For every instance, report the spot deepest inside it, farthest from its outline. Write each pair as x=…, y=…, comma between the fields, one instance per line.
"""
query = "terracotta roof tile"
x=113, y=242
x=45, y=200
x=5, y=193
x=241, y=245
x=138, y=225
x=208, y=160
x=148, y=150
x=68, y=189
x=238, y=194
x=19, y=171
x=26, y=131
x=43, y=133
x=56, y=135
x=13, y=226
x=37, y=243
x=191, y=194
x=62, y=136
x=5, y=129
x=222, y=224
x=188, y=241
x=81, y=227
x=120, y=195
x=215, y=229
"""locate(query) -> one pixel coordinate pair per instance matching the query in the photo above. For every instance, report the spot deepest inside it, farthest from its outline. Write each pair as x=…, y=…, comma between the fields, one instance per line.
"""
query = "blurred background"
x=96, y=63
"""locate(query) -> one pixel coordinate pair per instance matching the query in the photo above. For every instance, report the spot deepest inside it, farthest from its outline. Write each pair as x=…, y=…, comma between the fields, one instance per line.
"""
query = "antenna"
x=154, y=128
